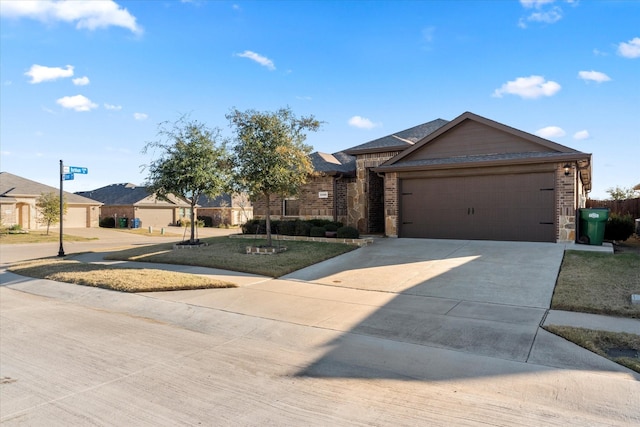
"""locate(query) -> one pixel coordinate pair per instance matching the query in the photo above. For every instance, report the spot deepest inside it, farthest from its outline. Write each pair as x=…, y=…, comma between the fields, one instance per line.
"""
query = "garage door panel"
x=491, y=207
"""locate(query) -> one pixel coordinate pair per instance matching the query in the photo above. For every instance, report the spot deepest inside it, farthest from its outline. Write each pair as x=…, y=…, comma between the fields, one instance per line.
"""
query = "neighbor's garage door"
x=76, y=217
x=155, y=217
x=517, y=207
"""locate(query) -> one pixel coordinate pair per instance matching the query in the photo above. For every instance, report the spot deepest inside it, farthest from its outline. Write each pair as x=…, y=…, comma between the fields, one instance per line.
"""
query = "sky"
x=89, y=82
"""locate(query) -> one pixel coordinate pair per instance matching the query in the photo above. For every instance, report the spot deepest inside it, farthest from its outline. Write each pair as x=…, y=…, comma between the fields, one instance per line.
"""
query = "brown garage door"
x=76, y=217
x=517, y=207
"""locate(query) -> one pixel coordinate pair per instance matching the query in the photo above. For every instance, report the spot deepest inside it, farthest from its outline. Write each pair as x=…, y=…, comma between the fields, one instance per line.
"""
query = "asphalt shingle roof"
x=127, y=194
x=339, y=162
x=13, y=186
x=400, y=140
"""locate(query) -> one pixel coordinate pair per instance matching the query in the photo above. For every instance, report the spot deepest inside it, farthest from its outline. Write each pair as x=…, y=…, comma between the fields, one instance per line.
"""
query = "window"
x=291, y=207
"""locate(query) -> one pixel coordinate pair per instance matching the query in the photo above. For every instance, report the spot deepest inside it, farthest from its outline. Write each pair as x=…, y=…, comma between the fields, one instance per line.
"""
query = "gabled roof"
x=333, y=164
x=12, y=186
x=131, y=195
x=533, y=150
x=398, y=141
x=222, y=201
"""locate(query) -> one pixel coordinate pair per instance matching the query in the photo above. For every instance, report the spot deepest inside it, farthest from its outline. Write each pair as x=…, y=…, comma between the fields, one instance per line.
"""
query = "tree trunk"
x=193, y=224
x=268, y=219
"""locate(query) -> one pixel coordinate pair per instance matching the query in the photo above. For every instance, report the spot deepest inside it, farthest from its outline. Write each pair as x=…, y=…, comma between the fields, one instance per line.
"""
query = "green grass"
x=230, y=254
x=599, y=283
x=115, y=278
x=39, y=237
x=600, y=342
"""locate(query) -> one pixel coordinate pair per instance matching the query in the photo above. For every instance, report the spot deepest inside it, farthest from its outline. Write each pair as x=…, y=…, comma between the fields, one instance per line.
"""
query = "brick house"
x=468, y=178
x=133, y=201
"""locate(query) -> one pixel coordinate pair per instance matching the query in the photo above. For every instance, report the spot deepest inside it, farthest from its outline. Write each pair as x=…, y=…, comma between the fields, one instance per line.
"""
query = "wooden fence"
x=628, y=206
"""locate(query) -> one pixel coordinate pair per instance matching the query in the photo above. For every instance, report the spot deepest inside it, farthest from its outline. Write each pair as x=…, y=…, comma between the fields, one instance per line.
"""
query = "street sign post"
x=66, y=174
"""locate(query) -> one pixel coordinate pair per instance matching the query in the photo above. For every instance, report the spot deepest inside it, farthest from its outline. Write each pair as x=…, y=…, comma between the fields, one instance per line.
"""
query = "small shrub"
x=618, y=227
x=348, y=233
x=303, y=228
x=317, y=231
x=186, y=222
x=109, y=222
x=331, y=227
x=15, y=227
x=252, y=226
x=287, y=228
x=206, y=220
x=316, y=222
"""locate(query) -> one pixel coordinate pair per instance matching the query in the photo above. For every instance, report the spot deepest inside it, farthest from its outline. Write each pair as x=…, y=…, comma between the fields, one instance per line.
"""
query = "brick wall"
x=311, y=205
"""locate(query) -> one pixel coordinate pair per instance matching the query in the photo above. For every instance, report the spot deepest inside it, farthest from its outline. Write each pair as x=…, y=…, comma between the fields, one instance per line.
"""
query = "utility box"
x=592, y=224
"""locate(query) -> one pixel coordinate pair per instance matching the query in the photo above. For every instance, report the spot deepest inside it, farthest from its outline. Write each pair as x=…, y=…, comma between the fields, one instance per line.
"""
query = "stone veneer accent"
x=566, y=203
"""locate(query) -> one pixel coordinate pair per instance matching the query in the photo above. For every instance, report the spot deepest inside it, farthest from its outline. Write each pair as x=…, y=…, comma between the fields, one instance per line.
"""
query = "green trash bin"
x=592, y=224
x=122, y=222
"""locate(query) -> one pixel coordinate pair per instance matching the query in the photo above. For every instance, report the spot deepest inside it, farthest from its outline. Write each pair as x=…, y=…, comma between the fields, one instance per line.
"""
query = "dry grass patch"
x=606, y=344
x=38, y=237
x=115, y=278
x=230, y=254
x=155, y=232
x=592, y=282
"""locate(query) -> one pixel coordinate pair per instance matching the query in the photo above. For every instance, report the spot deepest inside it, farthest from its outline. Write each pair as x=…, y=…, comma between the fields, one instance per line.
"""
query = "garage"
x=76, y=217
x=476, y=179
x=155, y=217
x=515, y=207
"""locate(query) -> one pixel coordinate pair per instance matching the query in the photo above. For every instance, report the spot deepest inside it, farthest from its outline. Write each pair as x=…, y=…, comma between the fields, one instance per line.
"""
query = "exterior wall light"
x=567, y=169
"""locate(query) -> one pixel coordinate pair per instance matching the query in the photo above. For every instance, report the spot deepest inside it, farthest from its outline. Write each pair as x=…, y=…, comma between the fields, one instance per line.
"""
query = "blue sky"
x=88, y=82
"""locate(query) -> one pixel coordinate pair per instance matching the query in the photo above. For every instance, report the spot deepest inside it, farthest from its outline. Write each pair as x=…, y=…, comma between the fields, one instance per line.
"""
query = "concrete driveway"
x=403, y=332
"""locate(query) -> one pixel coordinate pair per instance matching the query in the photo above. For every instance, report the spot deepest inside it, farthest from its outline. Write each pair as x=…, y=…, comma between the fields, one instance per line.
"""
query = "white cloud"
x=81, y=81
x=113, y=107
x=535, y=3
x=551, y=132
x=140, y=116
x=77, y=103
x=427, y=34
x=262, y=60
x=631, y=49
x=595, y=76
x=528, y=87
x=548, y=17
x=85, y=14
x=362, y=123
x=580, y=135
x=40, y=73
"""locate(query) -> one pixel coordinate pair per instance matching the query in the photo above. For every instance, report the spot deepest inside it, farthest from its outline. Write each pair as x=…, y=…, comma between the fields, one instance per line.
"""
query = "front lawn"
x=38, y=237
x=114, y=277
x=592, y=282
x=230, y=254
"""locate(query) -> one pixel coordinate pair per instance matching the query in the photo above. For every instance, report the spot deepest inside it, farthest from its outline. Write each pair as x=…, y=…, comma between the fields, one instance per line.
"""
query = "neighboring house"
x=18, y=198
x=133, y=201
x=469, y=178
x=225, y=209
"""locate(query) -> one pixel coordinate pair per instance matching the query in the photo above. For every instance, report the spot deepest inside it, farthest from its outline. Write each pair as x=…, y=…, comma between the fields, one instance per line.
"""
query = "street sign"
x=65, y=169
x=80, y=170
x=67, y=176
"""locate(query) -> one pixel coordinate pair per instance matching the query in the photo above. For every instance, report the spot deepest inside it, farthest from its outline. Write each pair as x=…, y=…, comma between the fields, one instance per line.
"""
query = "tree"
x=48, y=205
x=269, y=156
x=194, y=161
x=621, y=193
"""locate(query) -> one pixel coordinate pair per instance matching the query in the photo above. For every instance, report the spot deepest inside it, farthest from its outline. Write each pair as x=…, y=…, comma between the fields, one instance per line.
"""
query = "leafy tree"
x=48, y=205
x=621, y=193
x=193, y=161
x=270, y=157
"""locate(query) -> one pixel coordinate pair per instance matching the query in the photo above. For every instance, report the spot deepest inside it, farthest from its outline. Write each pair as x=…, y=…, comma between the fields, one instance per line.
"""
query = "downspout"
x=335, y=196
